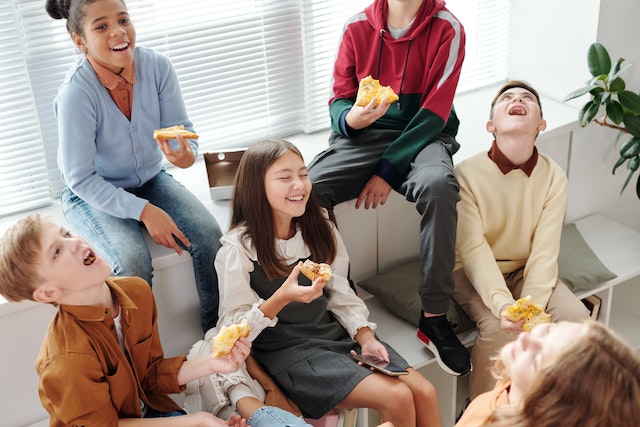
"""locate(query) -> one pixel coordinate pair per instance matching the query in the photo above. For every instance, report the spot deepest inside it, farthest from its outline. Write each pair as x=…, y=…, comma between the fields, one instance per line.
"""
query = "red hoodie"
x=423, y=67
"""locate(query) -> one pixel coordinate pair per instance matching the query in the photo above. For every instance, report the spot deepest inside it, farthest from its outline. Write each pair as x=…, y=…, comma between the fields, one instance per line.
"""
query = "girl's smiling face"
x=287, y=186
x=524, y=358
x=108, y=34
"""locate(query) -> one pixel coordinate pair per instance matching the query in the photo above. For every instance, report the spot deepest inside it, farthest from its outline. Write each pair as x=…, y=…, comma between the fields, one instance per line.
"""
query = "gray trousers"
x=341, y=171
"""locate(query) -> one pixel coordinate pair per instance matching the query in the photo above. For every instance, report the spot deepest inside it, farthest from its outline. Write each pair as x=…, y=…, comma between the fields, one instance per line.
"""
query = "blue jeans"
x=152, y=413
x=270, y=416
x=121, y=241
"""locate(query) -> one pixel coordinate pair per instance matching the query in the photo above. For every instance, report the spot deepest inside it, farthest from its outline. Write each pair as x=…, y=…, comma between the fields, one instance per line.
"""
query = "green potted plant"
x=612, y=105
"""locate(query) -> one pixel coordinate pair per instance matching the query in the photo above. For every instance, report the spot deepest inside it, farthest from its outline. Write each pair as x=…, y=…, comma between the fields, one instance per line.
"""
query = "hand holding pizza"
x=372, y=102
x=291, y=290
x=183, y=156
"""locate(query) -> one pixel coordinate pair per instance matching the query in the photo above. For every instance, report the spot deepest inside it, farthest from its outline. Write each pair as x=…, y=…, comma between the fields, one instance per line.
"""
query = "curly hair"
x=595, y=383
x=71, y=10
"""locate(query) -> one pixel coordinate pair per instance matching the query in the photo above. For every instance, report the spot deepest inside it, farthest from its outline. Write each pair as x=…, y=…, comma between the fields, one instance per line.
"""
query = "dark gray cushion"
x=397, y=288
x=578, y=267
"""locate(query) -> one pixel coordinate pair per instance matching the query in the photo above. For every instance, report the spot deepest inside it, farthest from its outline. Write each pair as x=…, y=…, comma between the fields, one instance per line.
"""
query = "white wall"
x=548, y=48
x=619, y=32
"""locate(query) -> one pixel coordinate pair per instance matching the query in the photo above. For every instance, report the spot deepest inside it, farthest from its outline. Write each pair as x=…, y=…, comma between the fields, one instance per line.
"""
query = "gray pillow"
x=397, y=289
x=578, y=267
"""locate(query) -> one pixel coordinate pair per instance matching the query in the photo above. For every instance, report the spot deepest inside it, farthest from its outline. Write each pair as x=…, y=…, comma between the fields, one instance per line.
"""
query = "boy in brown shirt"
x=101, y=362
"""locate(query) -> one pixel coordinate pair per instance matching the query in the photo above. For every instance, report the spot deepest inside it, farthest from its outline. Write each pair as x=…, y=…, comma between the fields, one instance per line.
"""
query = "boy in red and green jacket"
x=417, y=48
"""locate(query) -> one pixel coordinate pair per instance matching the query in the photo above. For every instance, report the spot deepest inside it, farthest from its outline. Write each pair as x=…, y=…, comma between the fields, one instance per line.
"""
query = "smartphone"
x=380, y=365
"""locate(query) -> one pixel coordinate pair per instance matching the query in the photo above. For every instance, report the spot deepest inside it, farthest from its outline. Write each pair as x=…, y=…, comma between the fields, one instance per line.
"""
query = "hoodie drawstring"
x=380, y=53
x=404, y=70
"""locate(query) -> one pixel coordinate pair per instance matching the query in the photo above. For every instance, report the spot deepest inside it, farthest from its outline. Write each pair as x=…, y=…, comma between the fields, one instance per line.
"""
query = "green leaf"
x=578, y=93
x=619, y=163
x=614, y=111
x=618, y=85
x=588, y=112
x=616, y=71
x=598, y=60
x=630, y=101
x=626, y=181
x=632, y=124
x=631, y=148
x=596, y=79
x=632, y=165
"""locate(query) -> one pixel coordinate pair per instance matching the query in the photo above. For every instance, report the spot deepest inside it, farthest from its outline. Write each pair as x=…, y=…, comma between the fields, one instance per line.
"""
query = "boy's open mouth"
x=89, y=257
x=517, y=110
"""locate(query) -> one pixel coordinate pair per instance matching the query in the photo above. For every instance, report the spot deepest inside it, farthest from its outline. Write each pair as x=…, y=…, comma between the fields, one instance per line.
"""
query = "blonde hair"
x=596, y=382
x=19, y=252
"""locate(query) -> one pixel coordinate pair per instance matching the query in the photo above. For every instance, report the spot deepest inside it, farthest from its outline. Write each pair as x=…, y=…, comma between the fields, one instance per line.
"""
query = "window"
x=249, y=69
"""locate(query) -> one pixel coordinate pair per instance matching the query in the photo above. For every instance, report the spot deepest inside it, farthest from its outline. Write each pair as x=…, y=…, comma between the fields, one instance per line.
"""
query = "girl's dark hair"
x=71, y=10
x=251, y=209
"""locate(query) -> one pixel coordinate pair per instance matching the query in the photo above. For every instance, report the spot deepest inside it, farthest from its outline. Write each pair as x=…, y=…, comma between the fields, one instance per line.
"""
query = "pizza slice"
x=525, y=308
x=370, y=88
x=173, y=131
x=226, y=338
x=313, y=270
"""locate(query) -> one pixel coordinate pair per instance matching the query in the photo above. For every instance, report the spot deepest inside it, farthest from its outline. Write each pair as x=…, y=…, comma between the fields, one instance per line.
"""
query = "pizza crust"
x=313, y=270
x=370, y=88
x=173, y=131
x=226, y=338
x=525, y=308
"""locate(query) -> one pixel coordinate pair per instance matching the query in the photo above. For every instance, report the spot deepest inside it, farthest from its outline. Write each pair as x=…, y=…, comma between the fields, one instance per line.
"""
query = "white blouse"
x=235, y=261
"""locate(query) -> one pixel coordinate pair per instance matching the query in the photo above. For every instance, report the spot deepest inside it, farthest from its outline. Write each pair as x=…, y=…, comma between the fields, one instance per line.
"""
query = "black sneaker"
x=436, y=333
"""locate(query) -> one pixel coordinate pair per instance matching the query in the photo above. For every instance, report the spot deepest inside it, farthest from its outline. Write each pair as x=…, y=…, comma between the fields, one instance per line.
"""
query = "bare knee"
x=399, y=398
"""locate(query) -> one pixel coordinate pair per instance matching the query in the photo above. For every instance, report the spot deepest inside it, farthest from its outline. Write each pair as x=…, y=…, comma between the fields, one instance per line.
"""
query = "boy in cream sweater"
x=510, y=218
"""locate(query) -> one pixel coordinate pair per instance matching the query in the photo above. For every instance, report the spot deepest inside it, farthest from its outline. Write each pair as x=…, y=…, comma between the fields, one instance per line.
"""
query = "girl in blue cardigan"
x=111, y=101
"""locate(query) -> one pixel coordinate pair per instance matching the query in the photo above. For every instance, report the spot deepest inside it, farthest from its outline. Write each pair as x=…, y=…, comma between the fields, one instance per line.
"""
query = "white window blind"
x=487, y=26
x=249, y=69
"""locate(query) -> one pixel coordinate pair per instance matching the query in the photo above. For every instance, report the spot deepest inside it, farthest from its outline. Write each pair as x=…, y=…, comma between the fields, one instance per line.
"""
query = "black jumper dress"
x=308, y=351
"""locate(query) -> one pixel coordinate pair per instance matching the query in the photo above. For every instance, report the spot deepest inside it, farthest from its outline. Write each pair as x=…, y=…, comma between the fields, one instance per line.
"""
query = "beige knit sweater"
x=507, y=221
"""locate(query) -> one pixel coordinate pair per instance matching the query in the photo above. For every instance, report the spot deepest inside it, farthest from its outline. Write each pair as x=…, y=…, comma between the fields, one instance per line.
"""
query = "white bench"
x=617, y=246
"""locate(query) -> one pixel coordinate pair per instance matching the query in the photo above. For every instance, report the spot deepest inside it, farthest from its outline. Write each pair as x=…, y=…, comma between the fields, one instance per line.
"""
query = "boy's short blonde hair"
x=19, y=253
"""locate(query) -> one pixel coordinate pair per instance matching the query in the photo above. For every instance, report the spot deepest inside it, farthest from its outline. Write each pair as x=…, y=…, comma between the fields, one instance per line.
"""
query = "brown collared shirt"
x=86, y=378
x=505, y=165
x=119, y=86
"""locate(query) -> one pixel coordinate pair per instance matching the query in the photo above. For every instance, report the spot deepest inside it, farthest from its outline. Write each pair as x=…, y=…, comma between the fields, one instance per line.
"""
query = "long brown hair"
x=595, y=383
x=252, y=210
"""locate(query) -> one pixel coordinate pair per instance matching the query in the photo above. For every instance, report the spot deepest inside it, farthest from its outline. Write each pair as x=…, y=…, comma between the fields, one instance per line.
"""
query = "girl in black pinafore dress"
x=303, y=331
